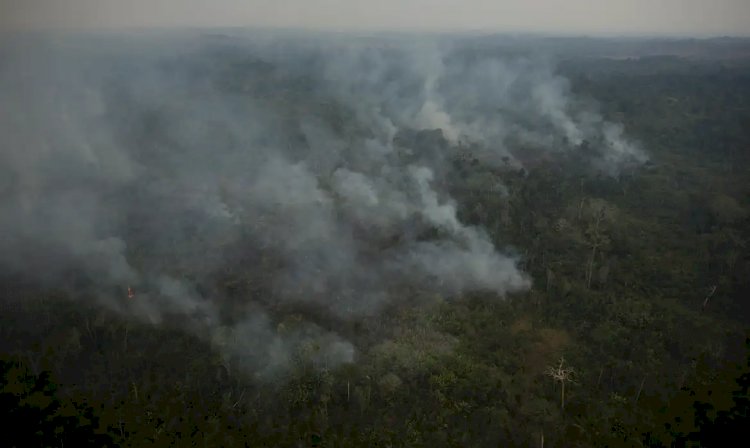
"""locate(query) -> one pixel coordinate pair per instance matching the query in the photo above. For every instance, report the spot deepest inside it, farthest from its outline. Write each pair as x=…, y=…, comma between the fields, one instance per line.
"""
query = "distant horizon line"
x=614, y=35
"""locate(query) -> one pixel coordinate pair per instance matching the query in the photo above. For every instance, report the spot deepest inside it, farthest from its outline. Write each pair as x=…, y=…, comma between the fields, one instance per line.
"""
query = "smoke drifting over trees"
x=163, y=163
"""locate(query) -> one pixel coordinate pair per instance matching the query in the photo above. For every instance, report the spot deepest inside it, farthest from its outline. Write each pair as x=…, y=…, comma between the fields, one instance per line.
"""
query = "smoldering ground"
x=293, y=169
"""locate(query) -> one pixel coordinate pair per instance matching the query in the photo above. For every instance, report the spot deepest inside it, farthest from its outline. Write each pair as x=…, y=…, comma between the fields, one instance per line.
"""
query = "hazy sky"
x=695, y=17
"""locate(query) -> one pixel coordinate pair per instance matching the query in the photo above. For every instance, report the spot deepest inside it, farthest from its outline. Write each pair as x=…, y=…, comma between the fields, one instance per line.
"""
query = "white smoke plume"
x=164, y=163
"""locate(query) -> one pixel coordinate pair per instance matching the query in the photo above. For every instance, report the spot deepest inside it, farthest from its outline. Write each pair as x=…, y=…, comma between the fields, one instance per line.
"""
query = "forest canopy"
x=270, y=239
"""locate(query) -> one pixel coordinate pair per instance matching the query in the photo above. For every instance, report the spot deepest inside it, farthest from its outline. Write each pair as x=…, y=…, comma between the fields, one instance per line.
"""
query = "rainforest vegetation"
x=623, y=321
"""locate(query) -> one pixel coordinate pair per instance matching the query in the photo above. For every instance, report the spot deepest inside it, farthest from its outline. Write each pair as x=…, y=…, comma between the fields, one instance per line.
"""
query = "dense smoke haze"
x=318, y=165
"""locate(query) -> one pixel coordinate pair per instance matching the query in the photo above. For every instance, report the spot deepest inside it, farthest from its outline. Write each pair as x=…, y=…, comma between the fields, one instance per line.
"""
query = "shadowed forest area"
x=542, y=284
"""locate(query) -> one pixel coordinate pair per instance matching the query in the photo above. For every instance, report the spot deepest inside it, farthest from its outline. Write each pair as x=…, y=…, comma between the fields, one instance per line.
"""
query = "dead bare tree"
x=597, y=239
x=708, y=297
x=561, y=374
x=640, y=389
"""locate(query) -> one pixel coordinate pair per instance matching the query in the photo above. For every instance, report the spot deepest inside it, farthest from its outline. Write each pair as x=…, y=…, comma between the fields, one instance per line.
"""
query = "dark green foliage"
x=640, y=281
x=33, y=414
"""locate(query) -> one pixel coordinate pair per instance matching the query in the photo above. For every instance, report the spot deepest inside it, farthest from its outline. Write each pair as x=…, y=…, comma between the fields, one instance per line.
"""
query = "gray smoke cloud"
x=294, y=167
